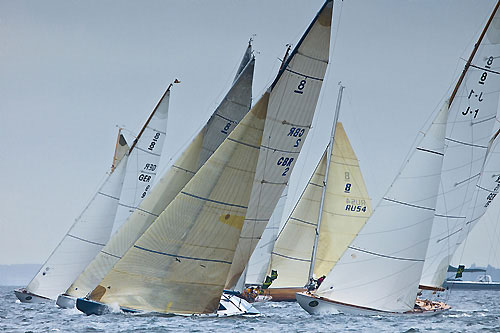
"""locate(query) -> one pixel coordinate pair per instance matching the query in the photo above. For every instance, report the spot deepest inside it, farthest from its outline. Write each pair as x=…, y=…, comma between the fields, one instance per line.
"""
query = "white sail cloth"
x=86, y=237
x=382, y=266
x=143, y=161
x=231, y=110
x=292, y=102
x=258, y=265
x=346, y=208
x=180, y=264
x=472, y=115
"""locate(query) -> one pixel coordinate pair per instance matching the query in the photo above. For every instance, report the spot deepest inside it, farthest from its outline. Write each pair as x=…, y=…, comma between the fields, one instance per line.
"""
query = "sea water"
x=473, y=311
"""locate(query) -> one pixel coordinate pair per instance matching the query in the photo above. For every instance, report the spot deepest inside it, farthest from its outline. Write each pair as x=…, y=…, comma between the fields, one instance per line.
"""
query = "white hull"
x=66, y=302
x=27, y=297
x=315, y=305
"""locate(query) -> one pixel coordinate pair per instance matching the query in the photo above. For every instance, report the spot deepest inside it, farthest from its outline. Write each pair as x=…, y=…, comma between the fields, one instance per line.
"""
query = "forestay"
x=292, y=102
x=231, y=110
x=346, y=208
x=88, y=234
x=180, y=264
x=472, y=115
x=381, y=268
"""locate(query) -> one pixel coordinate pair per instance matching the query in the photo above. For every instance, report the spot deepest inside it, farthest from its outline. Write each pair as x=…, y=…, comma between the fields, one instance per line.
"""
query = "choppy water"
x=473, y=311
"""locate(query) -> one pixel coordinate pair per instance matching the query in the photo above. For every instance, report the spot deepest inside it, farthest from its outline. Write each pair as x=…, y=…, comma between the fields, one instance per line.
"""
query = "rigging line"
x=383, y=255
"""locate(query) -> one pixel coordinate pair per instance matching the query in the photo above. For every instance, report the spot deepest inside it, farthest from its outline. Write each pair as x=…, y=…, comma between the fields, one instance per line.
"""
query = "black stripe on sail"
x=214, y=201
x=109, y=196
x=449, y=216
x=111, y=255
x=408, y=204
x=226, y=119
x=182, y=257
x=453, y=233
x=466, y=143
x=484, y=69
x=430, y=151
x=291, y=258
x=302, y=221
x=85, y=240
x=243, y=143
x=304, y=75
x=384, y=256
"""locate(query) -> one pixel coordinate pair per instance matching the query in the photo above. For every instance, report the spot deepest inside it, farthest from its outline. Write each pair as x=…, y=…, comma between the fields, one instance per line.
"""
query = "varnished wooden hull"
x=283, y=294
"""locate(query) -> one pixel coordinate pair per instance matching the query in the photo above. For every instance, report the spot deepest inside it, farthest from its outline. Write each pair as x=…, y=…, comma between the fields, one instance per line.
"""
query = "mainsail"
x=292, y=102
x=381, y=268
x=180, y=264
x=143, y=160
x=346, y=208
x=473, y=107
x=229, y=113
x=88, y=234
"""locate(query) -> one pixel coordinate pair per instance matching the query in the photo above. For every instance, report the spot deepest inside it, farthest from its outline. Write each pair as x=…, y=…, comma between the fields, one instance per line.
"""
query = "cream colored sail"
x=346, y=208
x=472, y=116
x=180, y=264
x=231, y=110
x=292, y=102
x=88, y=234
x=381, y=268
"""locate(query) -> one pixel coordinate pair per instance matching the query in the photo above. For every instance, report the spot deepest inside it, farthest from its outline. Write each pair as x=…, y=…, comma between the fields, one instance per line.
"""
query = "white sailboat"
x=231, y=110
x=465, y=193
x=332, y=209
x=91, y=231
x=87, y=231
x=181, y=263
x=380, y=270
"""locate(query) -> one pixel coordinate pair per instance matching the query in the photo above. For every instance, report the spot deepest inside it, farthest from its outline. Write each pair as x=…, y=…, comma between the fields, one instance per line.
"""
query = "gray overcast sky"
x=70, y=71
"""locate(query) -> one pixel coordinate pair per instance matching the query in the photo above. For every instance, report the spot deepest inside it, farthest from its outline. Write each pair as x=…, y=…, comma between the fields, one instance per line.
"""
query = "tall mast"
x=288, y=47
x=325, y=179
x=476, y=47
x=152, y=114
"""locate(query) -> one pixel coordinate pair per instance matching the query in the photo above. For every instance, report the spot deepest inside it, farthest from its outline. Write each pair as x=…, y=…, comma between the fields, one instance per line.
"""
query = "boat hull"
x=66, y=301
x=230, y=305
x=283, y=294
x=315, y=305
x=27, y=297
x=471, y=285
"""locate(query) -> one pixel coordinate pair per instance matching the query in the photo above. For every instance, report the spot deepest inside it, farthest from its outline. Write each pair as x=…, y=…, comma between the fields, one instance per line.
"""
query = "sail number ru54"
x=478, y=94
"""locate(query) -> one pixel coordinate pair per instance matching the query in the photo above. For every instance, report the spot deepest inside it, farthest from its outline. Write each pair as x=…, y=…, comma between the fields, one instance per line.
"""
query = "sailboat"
x=180, y=264
x=329, y=214
x=92, y=229
x=223, y=120
x=467, y=188
x=379, y=271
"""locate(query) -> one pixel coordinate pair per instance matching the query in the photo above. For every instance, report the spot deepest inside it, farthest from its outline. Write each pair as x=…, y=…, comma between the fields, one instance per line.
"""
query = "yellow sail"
x=346, y=208
x=180, y=264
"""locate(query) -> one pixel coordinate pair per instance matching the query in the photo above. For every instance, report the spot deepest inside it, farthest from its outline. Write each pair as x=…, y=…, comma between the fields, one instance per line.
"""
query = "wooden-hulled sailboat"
x=92, y=229
x=379, y=272
x=231, y=110
x=464, y=195
x=329, y=214
x=293, y=98
x=181, y=263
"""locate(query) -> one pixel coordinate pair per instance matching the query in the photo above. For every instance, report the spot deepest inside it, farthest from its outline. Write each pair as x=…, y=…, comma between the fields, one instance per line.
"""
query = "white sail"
x=231, y=110
x=292, y=102
x=346, y=208
x=381, y=268
x=472, y=115
x=257, y=267
x=143, y=161
x=86, y=237
x=180, y=264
